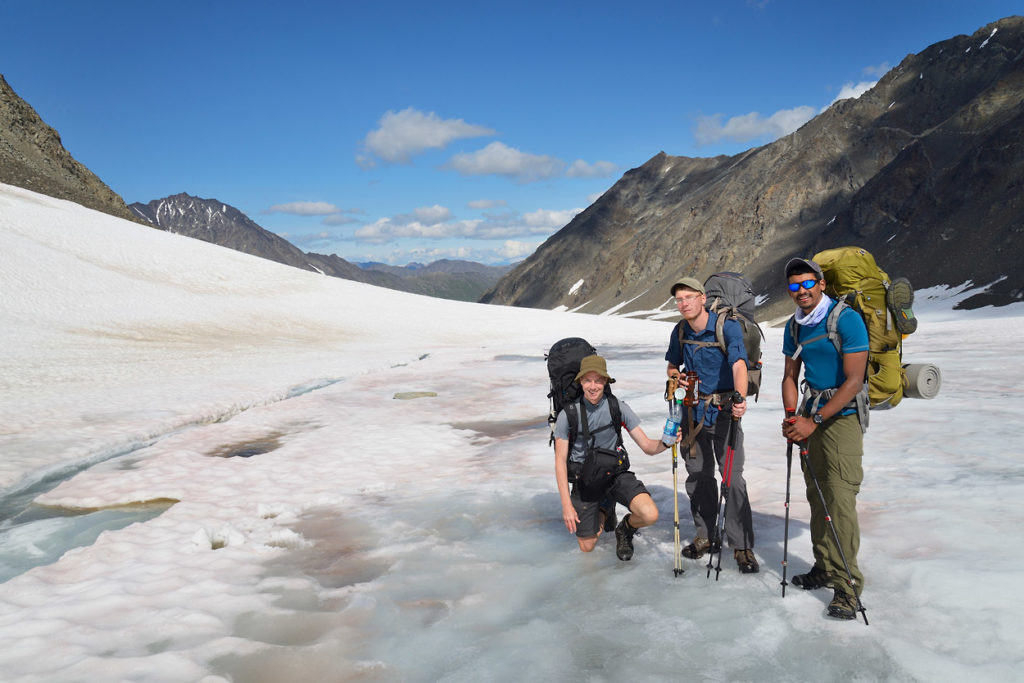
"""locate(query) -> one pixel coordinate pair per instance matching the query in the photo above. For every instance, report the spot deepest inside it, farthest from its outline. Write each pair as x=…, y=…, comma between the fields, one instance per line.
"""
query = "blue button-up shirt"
x=713, y=367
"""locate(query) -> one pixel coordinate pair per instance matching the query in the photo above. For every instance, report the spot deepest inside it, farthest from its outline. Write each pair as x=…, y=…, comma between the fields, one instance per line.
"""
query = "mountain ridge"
x=905, y=171
x=218, y=222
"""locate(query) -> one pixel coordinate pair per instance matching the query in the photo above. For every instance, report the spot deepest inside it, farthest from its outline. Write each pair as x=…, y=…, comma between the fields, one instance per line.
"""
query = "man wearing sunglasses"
x=694, y=346
x=827, y=420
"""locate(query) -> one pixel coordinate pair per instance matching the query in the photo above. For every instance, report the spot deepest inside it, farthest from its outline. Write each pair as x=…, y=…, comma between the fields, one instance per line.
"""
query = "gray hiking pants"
x=703, y=490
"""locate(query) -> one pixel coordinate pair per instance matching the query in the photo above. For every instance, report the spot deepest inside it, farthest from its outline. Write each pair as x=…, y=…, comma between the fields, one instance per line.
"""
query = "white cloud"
x=428, y=226
x=431, y=215
x=500, y=159
x=514, y=249
x=710, y=129
x=389, y=230
x=545, y=218
x=486, y=203
x=850, y=90
x=304, y=208
x=402, y=134
x=599, y=169
x=339, y=219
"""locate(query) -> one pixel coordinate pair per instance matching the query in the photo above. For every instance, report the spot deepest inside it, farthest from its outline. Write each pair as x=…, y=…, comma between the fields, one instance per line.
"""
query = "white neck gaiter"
x=815, y=316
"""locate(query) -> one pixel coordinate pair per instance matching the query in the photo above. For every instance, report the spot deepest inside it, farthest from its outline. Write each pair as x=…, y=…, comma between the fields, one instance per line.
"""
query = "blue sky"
x=412, y=131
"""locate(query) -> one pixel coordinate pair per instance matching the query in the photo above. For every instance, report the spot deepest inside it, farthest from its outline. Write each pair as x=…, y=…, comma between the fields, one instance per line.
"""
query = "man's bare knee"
x=643, y=511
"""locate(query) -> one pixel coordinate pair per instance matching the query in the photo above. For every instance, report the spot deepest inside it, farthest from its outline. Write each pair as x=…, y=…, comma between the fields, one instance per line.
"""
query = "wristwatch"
x=817, y=418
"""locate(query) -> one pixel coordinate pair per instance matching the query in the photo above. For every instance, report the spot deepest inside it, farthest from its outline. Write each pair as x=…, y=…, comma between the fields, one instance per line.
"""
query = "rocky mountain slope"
x=219, y=223
x=926, y=170
x=32, y=156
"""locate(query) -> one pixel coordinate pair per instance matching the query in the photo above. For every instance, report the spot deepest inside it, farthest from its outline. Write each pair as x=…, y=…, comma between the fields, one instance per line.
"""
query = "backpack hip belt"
x=813, y=399
x=718, y=398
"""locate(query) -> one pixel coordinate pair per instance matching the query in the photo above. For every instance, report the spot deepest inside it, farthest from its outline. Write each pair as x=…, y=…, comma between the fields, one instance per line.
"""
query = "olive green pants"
x=835, y=451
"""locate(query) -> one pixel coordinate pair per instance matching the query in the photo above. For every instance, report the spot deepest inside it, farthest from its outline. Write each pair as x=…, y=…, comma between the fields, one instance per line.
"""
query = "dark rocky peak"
x=182, y=212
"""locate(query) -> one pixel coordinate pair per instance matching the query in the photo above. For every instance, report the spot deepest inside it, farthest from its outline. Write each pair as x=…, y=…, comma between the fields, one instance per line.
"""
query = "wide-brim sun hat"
x=594, y=363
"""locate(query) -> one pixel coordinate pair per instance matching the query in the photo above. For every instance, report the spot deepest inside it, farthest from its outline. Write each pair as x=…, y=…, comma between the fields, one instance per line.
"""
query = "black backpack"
x=731, y=297
x=563, y=363
x=600, y=466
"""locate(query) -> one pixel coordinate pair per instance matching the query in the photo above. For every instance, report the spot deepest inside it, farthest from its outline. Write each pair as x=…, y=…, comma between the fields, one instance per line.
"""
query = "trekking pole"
x=670, y=390
x=730, y=451
x=678, y=569
x=828, y=518
x=785, y=539
x=716, y=538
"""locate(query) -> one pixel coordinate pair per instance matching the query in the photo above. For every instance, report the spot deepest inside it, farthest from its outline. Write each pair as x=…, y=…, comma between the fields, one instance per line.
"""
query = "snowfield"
x=206, y=476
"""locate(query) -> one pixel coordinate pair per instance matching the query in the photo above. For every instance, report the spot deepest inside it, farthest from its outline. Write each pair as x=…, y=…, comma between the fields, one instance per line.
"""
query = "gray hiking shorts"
x=623, y=490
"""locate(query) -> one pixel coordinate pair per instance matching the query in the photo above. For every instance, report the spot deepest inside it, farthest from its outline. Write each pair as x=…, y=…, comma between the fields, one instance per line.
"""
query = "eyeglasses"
x=806, y=284
x=687, y=299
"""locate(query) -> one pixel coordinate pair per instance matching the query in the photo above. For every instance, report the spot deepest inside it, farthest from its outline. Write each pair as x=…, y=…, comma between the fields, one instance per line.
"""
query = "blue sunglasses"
x=806, y=284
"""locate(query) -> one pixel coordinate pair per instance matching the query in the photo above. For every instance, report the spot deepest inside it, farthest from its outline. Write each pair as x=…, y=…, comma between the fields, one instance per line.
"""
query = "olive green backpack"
x=852, y=277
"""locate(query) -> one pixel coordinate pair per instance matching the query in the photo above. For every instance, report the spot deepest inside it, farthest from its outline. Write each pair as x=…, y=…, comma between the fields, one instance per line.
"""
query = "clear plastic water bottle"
x=675, y=418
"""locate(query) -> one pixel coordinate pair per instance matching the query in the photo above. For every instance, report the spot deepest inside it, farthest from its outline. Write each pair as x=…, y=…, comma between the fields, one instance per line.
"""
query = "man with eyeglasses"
x=828, y=421
x=693, y=346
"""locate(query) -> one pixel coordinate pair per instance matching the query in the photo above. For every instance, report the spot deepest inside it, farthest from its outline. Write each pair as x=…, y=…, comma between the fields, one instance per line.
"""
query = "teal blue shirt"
x=823, y=366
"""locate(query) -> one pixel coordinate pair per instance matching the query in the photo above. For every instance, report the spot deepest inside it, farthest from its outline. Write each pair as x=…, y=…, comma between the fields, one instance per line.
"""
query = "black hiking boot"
x=746, y=561
x=610, y=518
x=624, y=540
x=816, y=578
x=699, y=547
x=843, y=605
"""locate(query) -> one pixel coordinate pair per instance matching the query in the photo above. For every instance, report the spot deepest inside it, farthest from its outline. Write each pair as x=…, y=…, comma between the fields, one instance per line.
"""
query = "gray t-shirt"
x=597, y=416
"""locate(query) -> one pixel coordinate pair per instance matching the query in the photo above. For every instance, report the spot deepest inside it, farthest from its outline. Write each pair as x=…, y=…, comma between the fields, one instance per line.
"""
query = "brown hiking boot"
x=746, y=561
x=697, y=549
x=843, y=605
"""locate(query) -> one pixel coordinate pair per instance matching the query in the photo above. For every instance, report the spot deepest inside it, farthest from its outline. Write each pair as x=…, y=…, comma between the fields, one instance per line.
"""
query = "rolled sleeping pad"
x=923, y=380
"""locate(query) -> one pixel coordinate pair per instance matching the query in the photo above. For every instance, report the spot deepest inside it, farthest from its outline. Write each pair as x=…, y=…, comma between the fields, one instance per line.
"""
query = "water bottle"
x=675, y=419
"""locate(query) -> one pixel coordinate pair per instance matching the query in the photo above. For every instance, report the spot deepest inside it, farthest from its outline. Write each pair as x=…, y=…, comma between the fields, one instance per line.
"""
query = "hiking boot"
x=624, y=540
x=697, y=549
x=843, y=605
x=900, y=298
x=816, y=578
x=746, y=561
x=610, y=518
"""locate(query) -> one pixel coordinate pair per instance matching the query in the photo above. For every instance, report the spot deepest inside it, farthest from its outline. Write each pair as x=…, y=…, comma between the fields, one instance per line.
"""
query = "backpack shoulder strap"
x=572, y=416
x=720, y=332
x=832, y=325
x=831, y=330
x=719, y=342
x=616, y=411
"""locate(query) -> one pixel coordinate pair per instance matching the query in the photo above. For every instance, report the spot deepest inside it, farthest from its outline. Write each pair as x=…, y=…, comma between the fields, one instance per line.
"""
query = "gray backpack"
x=731, y=297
